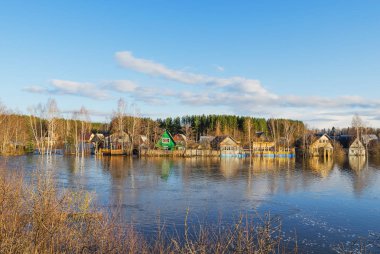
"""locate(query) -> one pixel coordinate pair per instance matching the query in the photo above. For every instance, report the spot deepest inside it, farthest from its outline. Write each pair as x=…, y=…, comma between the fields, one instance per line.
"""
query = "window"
x=165, y=140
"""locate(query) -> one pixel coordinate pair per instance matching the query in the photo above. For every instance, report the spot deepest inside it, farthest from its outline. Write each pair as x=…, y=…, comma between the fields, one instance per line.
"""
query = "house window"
x=165, y=140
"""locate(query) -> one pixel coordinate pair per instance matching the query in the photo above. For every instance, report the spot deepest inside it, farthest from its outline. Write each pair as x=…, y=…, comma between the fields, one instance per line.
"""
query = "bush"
x=339, y=151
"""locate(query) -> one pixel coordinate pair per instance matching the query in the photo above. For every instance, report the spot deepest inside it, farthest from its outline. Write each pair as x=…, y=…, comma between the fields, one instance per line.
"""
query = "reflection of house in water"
x=356, y=148
x=320, y=166
x=271, y=164
x=321, y=147
x=118, y=166
x=356, y=163
x=230, y=167
x=361, y=177
x=166, y=169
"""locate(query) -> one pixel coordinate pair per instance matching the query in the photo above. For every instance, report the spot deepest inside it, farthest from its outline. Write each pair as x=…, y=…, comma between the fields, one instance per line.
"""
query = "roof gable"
x=166, y=141
x=223, y=140
x=357, y=144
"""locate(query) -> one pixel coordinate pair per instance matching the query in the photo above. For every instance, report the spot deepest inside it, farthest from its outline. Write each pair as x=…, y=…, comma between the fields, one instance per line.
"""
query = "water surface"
x=322, y=203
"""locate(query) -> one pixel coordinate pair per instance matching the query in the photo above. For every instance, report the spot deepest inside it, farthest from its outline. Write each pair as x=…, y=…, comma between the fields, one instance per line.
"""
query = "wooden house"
x=226, y=145
x=97, y=140
x=181, y=141
x=356, y=148
x=205, y=141
x=369, y=139
x=141, y=142
x=263, y=146
x=118, y=143
x=321, y=147
x=166, y=142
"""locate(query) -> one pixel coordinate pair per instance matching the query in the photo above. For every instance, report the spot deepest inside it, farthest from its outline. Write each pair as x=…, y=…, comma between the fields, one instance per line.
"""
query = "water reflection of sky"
x=325, y=202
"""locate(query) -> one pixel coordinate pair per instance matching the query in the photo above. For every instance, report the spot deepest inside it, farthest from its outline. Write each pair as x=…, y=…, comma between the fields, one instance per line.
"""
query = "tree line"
x=45, y=129
x=242, y=128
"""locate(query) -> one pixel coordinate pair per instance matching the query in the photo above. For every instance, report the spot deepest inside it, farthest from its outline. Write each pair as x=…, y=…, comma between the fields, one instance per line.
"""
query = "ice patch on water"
x=348, y=241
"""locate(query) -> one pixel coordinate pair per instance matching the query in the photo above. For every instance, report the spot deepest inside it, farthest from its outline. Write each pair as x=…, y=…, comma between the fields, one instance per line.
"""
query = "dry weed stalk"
x=37, y=218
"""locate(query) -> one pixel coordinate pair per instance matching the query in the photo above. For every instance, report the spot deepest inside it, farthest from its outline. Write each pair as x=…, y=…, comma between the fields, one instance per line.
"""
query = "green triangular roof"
x=169, y=145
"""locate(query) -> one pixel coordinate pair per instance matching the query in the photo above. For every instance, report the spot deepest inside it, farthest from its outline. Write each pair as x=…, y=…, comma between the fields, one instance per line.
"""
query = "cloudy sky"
x=317, y=61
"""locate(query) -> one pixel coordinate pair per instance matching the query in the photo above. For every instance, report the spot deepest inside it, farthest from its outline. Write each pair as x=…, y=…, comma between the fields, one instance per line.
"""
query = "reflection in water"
x=361, y=176
x=301, y=192
x=260, y=164
x=357, y=163
x=321, y=166
x=229, y=167
x=166, y=168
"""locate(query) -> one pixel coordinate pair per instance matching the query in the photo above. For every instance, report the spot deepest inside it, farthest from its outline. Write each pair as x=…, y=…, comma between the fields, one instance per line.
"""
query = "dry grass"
x=36, y=218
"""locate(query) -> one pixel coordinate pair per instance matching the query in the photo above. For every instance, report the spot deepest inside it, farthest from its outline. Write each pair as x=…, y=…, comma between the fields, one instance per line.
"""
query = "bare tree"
x=248, y=126
x=36, y=120
x=120, y=116
x=52, y=115
x=289, y=129
x=82, y=126
x=273, y=129
x=135, y=124
x=358, y=124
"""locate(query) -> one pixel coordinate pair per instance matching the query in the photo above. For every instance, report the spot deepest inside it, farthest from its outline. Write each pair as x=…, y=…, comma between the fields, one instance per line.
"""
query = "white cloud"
x=219, y=68
x=236, y=94
x=124, y=86
x=248, y=96
x=127, y=60
x=66, y=87
x=35, y=89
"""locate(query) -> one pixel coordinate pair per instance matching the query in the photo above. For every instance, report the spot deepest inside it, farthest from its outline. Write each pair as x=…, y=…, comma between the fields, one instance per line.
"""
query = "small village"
x=188, y=136
x=321, y=145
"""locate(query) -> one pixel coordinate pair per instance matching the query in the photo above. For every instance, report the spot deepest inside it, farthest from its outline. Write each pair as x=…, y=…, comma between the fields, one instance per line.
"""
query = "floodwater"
x=322, y=204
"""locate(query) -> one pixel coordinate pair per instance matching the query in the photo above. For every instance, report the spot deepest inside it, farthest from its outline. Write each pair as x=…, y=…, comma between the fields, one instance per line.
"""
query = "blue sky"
x=317, y=61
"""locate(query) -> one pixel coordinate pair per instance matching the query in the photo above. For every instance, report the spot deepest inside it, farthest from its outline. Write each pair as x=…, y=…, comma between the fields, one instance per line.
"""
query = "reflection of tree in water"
x=117, y=166
x=122, y=179
x=320, y=166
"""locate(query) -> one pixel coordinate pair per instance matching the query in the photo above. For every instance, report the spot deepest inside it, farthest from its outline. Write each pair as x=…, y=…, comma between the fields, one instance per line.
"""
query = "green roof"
x=166, y=142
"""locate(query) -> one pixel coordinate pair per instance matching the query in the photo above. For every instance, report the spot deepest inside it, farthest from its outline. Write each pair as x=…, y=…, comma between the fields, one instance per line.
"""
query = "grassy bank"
x=37, y=218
